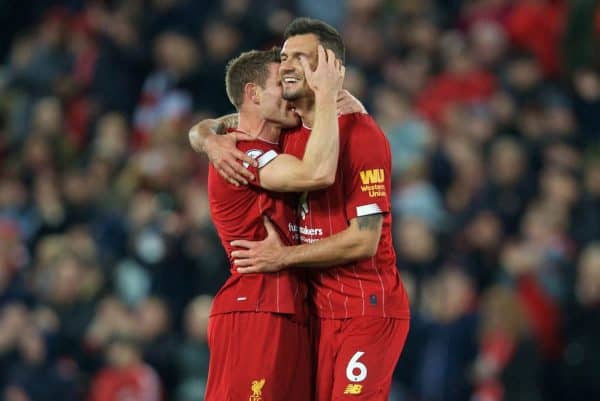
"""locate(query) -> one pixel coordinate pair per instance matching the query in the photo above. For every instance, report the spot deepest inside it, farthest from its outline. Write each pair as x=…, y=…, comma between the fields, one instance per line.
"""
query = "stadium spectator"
x=126, y=375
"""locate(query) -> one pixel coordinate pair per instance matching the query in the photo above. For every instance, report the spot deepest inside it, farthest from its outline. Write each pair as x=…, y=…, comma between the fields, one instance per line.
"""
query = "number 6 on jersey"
x=353, y=366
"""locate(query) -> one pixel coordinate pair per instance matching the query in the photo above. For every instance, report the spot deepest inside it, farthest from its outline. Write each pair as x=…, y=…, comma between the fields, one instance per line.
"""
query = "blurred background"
x=108, y=258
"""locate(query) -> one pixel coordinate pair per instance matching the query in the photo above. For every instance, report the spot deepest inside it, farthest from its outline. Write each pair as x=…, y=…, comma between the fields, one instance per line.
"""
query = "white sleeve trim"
x=365, y=210
x=266, y=158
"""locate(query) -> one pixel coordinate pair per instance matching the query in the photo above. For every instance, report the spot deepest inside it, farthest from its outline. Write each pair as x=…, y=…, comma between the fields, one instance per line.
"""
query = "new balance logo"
x=353, y=389
x=373, y=176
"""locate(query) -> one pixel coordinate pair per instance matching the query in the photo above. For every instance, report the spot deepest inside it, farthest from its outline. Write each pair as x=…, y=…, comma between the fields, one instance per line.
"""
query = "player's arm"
x=205, y=130
x=318, y=166
x=347, y=103
x=210, y=137
x=366, y=185
x=359, y=241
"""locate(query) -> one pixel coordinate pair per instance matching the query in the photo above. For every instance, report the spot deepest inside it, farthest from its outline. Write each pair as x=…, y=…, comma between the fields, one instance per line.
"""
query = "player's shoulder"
x=261, y=151
x=356, y=122
x=361, y=128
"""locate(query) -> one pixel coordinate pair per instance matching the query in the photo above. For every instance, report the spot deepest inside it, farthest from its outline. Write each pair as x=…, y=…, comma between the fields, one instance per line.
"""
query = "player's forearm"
x=322, y=149
x=335, y=250
x=202, y=132
x=289, y=174
x=199, y=133
x=354, y=243
x=317, y=168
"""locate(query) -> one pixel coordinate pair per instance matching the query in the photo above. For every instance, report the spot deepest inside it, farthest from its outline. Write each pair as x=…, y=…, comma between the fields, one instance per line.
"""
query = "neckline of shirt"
x=258, y=138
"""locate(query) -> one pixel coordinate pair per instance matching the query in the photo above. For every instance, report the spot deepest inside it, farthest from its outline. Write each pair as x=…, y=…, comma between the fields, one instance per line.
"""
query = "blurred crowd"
x=108, y=257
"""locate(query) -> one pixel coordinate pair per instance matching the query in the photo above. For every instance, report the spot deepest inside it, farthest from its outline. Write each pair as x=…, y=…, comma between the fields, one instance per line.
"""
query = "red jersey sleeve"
x=366, y=168
x=262, y=152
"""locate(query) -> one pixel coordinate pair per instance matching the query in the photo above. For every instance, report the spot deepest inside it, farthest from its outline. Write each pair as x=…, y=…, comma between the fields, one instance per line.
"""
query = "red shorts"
x=258, y=356
x=356, y=357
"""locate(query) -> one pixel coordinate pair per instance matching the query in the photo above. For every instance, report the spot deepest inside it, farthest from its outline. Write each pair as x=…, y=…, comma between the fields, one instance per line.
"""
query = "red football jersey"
x=237, y=213
x=362, y=186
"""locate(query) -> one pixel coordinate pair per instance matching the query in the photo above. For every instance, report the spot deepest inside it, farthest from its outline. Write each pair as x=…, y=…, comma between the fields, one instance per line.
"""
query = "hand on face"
x=328, y=77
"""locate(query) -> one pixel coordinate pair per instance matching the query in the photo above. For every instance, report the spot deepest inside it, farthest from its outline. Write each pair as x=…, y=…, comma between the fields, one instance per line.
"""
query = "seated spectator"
x=507, y=366
x=125, y=374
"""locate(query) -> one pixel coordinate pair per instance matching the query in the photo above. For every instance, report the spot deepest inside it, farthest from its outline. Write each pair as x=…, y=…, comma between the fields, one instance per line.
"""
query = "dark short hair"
x=248, y=67
x=329, y=37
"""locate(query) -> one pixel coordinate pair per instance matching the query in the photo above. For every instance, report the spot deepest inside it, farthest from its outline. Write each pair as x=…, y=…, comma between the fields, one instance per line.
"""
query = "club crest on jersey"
x=353, y=389
x=303, y=205
x=254, y=153
x=256, y=388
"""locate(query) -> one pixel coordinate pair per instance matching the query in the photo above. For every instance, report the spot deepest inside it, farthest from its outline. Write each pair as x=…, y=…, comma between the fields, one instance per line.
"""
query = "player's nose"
x=286, y=67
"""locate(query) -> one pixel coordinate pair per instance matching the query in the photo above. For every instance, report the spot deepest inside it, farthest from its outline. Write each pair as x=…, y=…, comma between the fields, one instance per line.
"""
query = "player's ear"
x=251, y=92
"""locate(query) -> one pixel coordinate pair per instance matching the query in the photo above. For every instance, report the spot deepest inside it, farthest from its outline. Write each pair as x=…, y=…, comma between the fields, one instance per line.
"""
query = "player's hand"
x=328, y=77
x=260, y=256
x=227, y=158
x=347, y=104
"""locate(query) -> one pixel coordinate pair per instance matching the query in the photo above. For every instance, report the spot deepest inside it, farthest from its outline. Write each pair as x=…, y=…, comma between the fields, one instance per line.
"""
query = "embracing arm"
x=206, y=130
x=210, y=137
x=358, y=241
x=317, y=168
